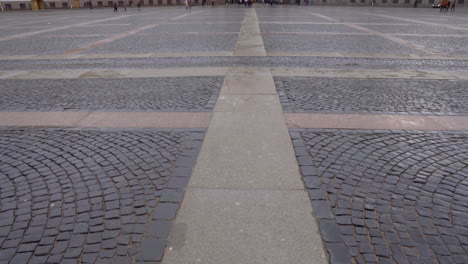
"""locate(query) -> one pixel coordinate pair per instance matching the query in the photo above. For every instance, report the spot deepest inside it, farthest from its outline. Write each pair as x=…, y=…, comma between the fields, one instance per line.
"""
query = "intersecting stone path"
x=162, y=136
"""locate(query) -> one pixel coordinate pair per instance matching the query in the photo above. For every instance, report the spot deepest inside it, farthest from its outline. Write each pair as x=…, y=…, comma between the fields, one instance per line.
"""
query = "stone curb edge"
x=154, y=243
x=322, y=211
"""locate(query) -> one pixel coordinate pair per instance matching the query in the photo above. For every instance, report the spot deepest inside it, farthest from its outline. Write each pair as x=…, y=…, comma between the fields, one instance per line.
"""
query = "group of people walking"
x=116, y=7
x=445, y=5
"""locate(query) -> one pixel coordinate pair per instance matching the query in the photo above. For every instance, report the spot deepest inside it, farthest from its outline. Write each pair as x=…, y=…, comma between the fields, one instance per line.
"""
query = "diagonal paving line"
x=246, y=202
x=383, y=35
x=124, y=35
x=450, y=26
x=65, y=27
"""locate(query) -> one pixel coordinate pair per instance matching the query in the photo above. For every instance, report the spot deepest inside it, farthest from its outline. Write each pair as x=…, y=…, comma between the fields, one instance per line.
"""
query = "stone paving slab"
x=387, y=196
x=106, y=119
x=318, y=95
x=177, y=94
x=376, y=121
x=93, y=196
x=259, y=226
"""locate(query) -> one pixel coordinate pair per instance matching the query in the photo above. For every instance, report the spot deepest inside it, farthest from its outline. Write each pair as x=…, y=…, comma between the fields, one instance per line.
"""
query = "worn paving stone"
x=394, y=196
x=105, y=184
x=329, y=95
x=142, y=94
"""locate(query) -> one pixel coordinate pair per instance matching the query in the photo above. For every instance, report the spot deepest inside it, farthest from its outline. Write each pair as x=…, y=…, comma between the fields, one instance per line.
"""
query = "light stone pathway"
x=246, y=202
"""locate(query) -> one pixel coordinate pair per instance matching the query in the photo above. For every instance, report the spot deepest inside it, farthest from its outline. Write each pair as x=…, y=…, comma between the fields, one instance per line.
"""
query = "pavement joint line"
x=123, y=35
x=384, y=35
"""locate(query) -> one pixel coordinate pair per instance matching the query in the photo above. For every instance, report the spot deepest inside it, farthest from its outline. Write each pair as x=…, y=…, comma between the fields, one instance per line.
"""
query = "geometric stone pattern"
x=341, y=95
x=223, y=61
x=91, y=196
x=388, y=196
x=131, y=94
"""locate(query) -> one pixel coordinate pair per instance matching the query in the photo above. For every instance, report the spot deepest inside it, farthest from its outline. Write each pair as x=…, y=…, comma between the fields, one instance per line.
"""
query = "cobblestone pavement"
x=111, y=195
x=386, y=197
x=92, y=196
x=280, y=61
x=329, y=95
x=135, y=94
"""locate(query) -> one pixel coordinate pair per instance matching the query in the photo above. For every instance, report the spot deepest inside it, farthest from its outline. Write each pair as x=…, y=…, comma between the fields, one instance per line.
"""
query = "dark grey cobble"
x=394, y=196
x=328, y=95
x=134, y=94
x=293, y=62
x=89, y=196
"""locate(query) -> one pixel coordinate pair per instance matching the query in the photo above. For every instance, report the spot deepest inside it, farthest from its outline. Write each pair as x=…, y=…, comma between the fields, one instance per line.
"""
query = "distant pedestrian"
x=139, y=6
x=442, y=5
x=453, y=6
x=186, y=5
x=116, y=9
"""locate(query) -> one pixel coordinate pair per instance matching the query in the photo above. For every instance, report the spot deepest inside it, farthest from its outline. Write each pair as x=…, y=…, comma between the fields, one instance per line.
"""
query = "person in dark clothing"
x=448, y=6
x=116, y=8
x=139, y=6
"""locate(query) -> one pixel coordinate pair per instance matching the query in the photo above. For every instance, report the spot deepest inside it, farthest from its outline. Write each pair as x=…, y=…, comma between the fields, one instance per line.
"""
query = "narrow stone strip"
x=124, y=35
x=230, y=53
x=318, y=33
x=365, y=55
x=221, y=71
x=250, y=41
x=376, y=121
x=250, y=205
x=105, y=119
x=114, y=73
x=383, y=35
x=370, y=73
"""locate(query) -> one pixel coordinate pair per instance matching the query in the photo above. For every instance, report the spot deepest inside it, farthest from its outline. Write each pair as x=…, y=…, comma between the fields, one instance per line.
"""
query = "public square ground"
x=233, y=135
